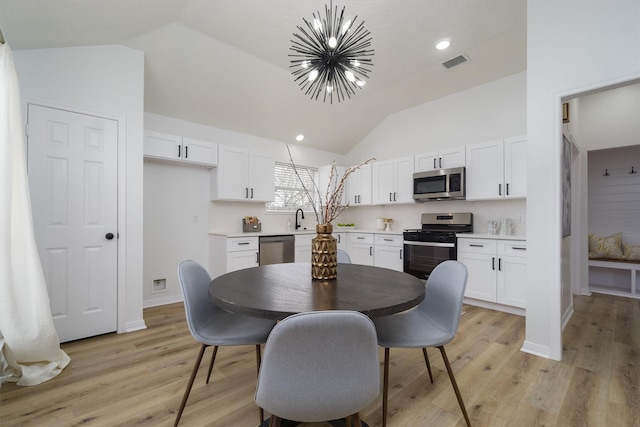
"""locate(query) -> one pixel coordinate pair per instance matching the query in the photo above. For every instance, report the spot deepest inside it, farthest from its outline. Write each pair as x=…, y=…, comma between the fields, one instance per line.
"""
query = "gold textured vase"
x=324, y=253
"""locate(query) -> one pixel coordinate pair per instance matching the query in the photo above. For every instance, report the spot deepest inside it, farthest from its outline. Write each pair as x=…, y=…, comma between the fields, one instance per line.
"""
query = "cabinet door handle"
x=179, y=150
x=493, y=263
x=519, y=248
x=434, y=163
x=388, y=240
x=440, y=162
x=371, y=250
x=243, y=243
x=507, y=188
x=400, y=253
x=390, y=197
x=499, y=264
x=360, y=238
x=246, y=193
x=258, y=257
x=394, y=196
x=252, y=193
x=499, y=189
x=186, y=151
x=359, y=198
x=476, y=245
x=338, y=238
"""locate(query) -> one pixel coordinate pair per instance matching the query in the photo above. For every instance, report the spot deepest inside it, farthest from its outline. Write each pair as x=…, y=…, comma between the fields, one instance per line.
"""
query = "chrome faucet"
x=298, y=225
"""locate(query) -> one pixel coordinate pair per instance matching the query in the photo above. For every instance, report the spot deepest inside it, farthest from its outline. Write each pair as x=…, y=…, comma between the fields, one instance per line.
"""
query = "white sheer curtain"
x=29, y=346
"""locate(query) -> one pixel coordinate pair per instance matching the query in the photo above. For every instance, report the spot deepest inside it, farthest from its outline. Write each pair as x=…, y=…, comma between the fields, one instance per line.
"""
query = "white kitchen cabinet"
x=497, y=169
x=302, y=250
x=324, y=175
x=361, y=248
x=243, y=175
x=392, y=181
x=497, y=269
x=179, y=150
x=228, y=254
x=388, y=251
x=359, y=186
x=343, y=242
x=443, y=159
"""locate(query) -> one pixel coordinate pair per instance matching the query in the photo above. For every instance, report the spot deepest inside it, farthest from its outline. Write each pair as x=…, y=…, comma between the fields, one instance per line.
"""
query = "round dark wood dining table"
x=279, y=290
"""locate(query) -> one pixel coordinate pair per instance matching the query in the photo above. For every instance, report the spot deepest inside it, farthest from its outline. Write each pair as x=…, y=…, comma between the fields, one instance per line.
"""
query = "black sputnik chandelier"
x=331, y=56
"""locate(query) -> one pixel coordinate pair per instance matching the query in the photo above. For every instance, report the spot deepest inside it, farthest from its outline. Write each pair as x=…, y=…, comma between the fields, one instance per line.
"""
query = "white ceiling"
x=225, y=63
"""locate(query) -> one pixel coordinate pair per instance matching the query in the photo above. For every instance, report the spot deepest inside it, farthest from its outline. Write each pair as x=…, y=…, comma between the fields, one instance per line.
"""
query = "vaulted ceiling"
x=225, y=63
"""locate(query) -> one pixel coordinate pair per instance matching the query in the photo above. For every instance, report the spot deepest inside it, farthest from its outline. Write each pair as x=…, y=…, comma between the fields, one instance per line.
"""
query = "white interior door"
x=72, y=167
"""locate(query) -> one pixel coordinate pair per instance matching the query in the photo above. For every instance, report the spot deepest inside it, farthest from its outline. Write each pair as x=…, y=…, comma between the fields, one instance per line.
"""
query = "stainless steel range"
x=435, y=242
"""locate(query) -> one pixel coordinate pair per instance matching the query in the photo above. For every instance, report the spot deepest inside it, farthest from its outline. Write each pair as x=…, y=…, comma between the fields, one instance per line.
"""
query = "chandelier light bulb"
x=361, y=83
x=329, y=88
x=355, y=63
x=317, y=25
x=346, y=27
x=305, y=64
x=350, y=76
x=333, y=42
x=313, y=75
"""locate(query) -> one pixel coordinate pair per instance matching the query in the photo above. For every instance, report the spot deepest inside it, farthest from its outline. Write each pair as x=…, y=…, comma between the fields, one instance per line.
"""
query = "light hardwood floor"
x=139, y=378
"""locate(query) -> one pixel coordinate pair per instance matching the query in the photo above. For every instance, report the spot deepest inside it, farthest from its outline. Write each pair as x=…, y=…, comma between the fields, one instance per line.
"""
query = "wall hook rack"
x=606, y=172
x=633, y=170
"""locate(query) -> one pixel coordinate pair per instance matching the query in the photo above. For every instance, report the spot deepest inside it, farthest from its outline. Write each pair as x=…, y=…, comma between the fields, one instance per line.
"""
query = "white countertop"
x=300, y=232
x=491, y=236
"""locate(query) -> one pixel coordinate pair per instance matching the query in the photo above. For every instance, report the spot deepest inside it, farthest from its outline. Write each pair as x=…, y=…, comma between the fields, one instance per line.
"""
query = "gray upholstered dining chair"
x=212, y=326
x=433, y=323
x=343, y=257
x=319, y=366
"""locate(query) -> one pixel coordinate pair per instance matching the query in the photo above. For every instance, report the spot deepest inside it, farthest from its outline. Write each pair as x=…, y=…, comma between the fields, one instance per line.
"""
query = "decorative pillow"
x=631, y=252
x=605, y=247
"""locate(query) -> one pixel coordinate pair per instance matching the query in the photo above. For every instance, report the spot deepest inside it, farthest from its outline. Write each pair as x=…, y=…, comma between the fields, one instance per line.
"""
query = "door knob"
x=109, y=236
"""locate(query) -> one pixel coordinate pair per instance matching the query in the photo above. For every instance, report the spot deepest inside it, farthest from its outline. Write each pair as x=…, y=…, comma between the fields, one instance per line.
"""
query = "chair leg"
x=426, y=360
x=275, y=421
x=213, y=359
x=188, y=390
x=455, y=385
x=385, y=387
x=357, y=422
x=258, y=362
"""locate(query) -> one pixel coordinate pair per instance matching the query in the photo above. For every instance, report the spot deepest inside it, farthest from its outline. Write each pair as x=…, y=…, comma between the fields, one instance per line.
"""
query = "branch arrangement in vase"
x=330, y=207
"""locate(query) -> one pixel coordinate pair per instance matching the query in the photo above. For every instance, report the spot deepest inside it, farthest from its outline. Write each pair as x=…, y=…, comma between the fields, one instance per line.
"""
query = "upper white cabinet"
x=443, y=159
x=324, y=175
x=497, y=169
x=359, y=186
x=392, y=181
x=180, y=150
x=243, y=175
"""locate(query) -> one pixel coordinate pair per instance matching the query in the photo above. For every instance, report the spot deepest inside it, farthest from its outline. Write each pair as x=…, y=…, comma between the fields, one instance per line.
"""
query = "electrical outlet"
x=159, y=285
x=520, y=218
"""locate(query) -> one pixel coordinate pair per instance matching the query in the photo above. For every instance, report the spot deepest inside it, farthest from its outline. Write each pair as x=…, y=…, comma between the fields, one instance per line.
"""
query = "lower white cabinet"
x=388, y=252
x=302, y=250
x=361, y=248
x=228, y=254
x=342, y=241
x=497, y=270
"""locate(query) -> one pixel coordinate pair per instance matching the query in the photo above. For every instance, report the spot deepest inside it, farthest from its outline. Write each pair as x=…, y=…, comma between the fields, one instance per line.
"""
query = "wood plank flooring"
x=138, y=378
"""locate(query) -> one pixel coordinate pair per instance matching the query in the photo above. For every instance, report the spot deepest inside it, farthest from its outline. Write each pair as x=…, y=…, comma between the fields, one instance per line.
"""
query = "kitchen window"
x=290, y=193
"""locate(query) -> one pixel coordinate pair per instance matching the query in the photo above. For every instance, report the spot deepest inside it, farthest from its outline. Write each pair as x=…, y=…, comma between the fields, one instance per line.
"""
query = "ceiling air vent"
x=460, y=59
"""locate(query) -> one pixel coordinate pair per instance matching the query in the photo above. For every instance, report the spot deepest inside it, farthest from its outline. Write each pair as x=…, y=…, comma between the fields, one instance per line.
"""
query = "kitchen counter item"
x=251, y=224
x=277, y=249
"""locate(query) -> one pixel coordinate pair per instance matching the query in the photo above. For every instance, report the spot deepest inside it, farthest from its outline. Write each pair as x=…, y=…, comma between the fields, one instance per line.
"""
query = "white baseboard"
x=136, y=325
x=567, y=316
x=162, y=301
x=536, y=349
x=495, y=306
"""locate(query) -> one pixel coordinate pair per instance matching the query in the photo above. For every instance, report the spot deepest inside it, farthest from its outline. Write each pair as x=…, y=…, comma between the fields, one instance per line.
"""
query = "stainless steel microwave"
x=441, y=184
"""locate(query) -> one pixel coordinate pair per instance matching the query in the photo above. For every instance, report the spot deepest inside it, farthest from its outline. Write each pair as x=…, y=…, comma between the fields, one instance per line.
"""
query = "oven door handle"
x=437, y=244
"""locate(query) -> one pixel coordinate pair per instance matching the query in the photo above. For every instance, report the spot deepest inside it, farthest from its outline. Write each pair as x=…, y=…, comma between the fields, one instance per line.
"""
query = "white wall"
x=106, y=80
x=484, y=113
x=178, y=214
x=573, y=46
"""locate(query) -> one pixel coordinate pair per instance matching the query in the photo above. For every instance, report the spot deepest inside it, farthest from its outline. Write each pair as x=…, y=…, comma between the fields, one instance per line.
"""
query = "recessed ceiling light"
x=300, y=137
x=443, y=44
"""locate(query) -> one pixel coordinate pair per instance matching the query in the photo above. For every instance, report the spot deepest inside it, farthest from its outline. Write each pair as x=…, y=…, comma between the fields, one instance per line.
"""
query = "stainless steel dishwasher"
x=277, y=249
